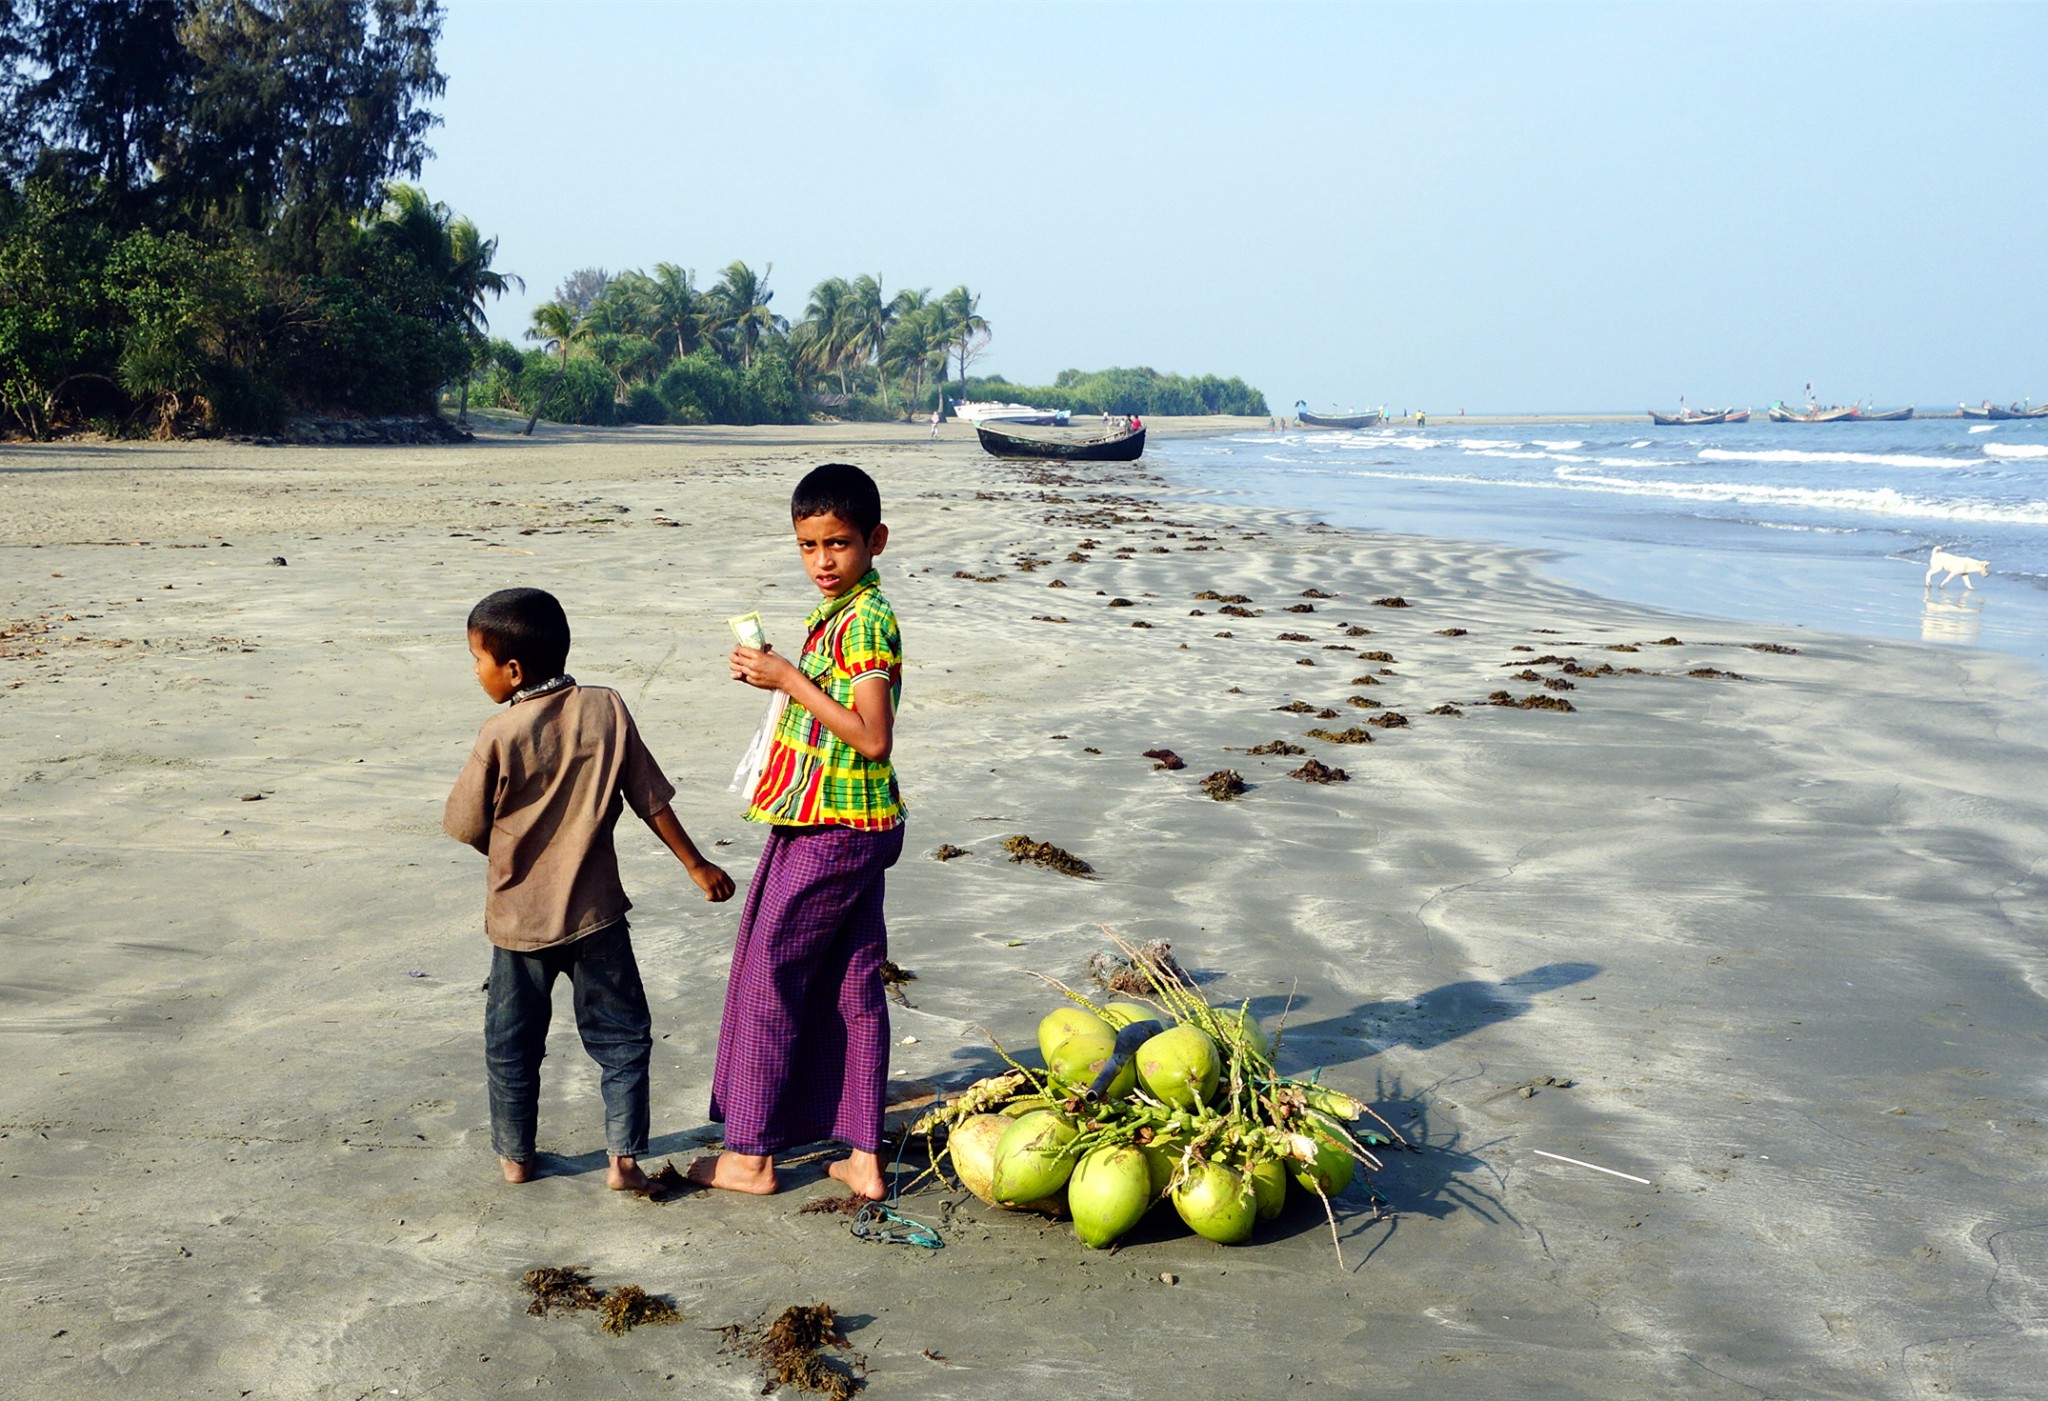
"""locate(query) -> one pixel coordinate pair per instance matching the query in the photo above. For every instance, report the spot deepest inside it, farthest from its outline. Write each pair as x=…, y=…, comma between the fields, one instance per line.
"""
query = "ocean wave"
x=1869, y=501
x=2016, y=449
x=1481, y=444
x=1873, y=459
x=1567, y=445
x=1982, y=428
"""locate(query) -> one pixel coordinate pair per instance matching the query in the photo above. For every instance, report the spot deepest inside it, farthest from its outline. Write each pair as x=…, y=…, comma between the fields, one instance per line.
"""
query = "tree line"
x=199, y=225
x=651, y=347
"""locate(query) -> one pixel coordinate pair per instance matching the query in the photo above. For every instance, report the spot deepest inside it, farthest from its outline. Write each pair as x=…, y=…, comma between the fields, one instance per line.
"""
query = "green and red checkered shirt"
x=813, y=777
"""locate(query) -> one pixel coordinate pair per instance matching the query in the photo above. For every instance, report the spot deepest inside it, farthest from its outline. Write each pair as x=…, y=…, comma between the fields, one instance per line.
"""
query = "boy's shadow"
x=1440, y=1015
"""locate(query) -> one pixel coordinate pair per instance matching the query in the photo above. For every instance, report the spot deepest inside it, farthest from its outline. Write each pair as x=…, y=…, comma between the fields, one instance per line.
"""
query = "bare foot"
x=625, y=1175
x=753, y=1173
x=515, y=1170
x=862, y=1173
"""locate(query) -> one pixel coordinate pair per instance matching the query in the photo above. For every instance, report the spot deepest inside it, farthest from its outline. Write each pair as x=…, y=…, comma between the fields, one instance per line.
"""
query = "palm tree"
x=964, y=331
x=914, y=339
x=455, y=257
x=868, y=319
x=820, y=338
x=743, y=298
x=558, y=323
x=676, y=309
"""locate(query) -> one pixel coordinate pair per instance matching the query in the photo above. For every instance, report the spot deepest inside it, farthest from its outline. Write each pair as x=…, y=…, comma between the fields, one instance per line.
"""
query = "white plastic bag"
x=756, y=758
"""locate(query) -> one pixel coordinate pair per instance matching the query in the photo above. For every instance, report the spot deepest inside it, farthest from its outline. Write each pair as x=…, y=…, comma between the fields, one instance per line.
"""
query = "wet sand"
x=1773, y=941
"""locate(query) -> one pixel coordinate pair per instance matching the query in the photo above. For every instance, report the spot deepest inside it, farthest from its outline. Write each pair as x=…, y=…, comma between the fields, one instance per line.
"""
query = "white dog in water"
x=1955, y=565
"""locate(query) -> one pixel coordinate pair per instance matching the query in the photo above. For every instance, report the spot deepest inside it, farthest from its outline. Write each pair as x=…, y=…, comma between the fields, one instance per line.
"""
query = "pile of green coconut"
x=1192, y=1112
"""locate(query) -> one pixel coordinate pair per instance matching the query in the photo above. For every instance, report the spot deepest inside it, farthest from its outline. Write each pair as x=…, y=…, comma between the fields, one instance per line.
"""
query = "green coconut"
x=1334, y=1103
x=1268, y=1177
x=1162, y=1156
x=1029, y=1104
x=1239, y=1028
x=1331, y=1171
x=1217, y=1203
x=1065, y=1022
x=1077, y=1060
x=1110, y=1189
x=1180, y=1067
x=1031, y=1158
x=1121, y=1014
x=972, y=1145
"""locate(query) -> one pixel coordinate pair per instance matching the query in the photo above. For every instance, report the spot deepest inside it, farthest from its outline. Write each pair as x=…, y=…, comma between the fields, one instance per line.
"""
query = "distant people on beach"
x=935, y=422
x=540, y=795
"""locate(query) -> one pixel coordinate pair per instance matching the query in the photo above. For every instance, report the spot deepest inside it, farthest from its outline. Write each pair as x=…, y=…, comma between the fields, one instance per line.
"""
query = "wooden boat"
x=1370, y=419
x=1688, y=418
x=1781, y=414
x=1887, y=416
x=1983, y=411
x=1737, y=416
x=2016, y=411
x=1124, y=445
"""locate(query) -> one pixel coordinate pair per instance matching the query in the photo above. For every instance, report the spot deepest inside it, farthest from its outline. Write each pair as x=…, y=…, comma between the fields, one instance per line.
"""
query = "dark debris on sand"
x=619, y=1311
x=666, y=1185
x=1297, y=707
x=1120, y=974
x=1450, y=632
x=1276, y=746
x=845, y=1204
x=1352, y=735
x=947, y=851
x=1225, y=784
x=790, y=1352
x=1166, y=759
x=1714, y=673
x=1316, y=771
x=1022, y=849
x=1316, y=593
x=1529, y=702
x=1388, y=720
x=1445, y=709
x=1393, y=601
x=1778, y=647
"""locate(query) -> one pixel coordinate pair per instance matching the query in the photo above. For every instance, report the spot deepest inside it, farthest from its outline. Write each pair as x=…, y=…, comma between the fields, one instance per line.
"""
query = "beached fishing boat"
x=1689, y=418
x=1979, y=411
x=2016, y=411
x=1337, y=420
x=1886, y=416
x=1736, y=416
x=1781, y=414
x=983, y=411
x=1124, y=445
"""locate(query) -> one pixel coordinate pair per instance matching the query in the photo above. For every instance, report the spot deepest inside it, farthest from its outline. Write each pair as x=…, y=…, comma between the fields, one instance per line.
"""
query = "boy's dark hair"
x=526, y=625
x=840, y=489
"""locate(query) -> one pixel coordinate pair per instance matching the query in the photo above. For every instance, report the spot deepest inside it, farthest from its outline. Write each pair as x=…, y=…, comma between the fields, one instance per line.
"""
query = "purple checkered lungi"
x=803, y=1050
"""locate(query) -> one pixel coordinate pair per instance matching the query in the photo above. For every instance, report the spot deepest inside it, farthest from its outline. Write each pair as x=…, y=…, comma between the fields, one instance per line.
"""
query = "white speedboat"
x=983, y=411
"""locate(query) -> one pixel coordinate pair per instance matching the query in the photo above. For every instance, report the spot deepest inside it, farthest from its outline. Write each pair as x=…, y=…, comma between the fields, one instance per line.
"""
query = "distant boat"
x=1887, y=416
x=2016, y=411
x=1812, y=414
x=1737, y=416
x=979, y=412
x=1124, y=445
x=1981, y=412
x=1369, y=419
x=1690, y=418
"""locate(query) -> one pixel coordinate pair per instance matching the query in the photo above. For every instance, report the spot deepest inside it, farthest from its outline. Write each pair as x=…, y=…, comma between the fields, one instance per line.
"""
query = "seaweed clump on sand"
x=666, y=1185
x=1294, y=637
x=1388, y=720
x=947, y=851
x=1353, y=735
x=1531, y=702
x=1165, y=759
x=1365, y=702
x=1778, y=647
x=1446, y=709
x=1316, y=593
x=895, y=975
x=1450, y=632
x=1022, y=849
x=790, y=1352
x=1136, y=976
x=1391, y=601
x=1232, y=610
x=1316, y=771
x=619, y=1311
x=1714, y=673
x=1297, y=707
x=1276, y=746
x=565, y=1287
x=1225, y=784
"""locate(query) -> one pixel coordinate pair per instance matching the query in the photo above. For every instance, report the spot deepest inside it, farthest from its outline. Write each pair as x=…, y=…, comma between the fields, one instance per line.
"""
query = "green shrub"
x=583, y=395
x=643, y=405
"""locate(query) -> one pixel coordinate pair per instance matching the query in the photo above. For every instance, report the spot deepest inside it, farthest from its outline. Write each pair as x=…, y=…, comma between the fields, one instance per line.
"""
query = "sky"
x=1499, y=208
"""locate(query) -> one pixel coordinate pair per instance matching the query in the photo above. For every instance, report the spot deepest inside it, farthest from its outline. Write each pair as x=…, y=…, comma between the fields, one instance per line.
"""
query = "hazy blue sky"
x=1530, y=206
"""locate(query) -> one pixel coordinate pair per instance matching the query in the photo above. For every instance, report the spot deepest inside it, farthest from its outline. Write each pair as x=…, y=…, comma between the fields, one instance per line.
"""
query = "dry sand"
x=1782, y=934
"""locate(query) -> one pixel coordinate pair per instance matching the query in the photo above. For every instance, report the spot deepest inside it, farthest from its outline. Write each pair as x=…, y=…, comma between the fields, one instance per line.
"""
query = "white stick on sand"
x=1595, y=1166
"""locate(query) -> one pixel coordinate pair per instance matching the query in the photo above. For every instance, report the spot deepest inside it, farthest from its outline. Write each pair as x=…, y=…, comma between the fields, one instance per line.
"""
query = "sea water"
x=1823, y=526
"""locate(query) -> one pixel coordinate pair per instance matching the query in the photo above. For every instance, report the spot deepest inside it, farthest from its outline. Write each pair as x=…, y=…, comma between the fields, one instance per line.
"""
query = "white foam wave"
x=1481, y=444
x=1875, y=501
x=1567, y=445
x=1873, y=459
x=1640, y=443
x=1983, y=428
x=2016, y=449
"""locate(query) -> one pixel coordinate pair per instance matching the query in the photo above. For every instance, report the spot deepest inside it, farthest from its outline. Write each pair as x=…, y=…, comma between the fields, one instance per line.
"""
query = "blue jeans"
x=611, y=1016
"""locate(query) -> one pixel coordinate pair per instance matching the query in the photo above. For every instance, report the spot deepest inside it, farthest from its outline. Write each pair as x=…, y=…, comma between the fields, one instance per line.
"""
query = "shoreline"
x=1774, y=931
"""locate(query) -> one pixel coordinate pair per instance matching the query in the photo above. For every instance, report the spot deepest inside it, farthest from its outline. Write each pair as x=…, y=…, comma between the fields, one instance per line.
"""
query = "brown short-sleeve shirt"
x=539, y=796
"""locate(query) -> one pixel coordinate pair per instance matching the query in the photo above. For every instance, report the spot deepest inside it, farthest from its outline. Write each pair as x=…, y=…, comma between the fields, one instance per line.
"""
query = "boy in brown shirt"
x=541, y=792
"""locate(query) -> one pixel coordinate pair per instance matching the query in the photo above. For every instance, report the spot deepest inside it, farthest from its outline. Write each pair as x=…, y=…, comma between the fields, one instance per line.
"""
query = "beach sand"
x=1782, y=934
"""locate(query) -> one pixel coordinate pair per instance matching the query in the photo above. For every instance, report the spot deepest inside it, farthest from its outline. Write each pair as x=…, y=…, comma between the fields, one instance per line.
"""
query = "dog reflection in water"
x=1951, y=567
x=1957, y=619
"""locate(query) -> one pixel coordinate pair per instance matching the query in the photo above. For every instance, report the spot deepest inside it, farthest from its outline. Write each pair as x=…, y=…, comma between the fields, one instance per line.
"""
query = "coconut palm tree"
x=820, y=339
x=914, y=342
x=558, y=323
x=456, y=258
x=677, y=309
x=743, y=298
x=965, y=332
